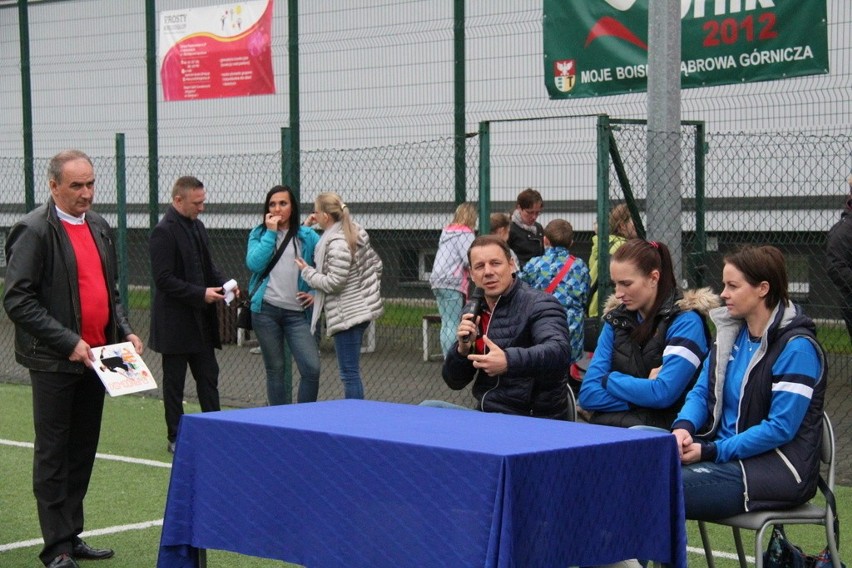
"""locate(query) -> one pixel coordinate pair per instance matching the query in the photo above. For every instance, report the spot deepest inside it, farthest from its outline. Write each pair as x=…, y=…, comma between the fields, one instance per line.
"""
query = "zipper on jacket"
x=745, y=486
x=484, y=333
x=789, y=465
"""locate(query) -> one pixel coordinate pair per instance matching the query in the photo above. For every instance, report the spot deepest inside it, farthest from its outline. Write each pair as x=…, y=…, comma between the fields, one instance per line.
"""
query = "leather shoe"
x=171, y=447
x=63, y=561
x=83, y=551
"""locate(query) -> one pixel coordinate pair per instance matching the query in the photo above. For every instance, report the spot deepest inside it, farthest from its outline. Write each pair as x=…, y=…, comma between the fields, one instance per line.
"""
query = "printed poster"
x=217, y=51
x=600, y=47
x=122, y=370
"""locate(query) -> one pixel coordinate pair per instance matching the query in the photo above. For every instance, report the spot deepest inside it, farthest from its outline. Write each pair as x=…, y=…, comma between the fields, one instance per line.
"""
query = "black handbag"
x=781, y=553
x=244, y=315
x=244, y=306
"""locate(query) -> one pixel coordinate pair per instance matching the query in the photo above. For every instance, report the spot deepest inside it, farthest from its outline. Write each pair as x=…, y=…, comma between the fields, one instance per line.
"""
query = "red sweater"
x=94, y=300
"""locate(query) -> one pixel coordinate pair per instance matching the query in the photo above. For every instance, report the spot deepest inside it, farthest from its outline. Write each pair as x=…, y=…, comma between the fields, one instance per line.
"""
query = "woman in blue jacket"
x=281, y=303
x=749, y=433
x=652, y=344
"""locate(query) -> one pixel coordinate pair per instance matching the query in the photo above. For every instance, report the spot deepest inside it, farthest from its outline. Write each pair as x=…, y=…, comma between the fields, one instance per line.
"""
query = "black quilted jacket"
x=530, y=326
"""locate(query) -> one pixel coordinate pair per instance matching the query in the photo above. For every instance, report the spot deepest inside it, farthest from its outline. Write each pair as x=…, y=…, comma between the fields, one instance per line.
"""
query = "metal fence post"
x=26, y=105
x=121, y=216
x=293, y=62
x=699, y=251
x=603, y=142
x=484, y=178
x=459, y=102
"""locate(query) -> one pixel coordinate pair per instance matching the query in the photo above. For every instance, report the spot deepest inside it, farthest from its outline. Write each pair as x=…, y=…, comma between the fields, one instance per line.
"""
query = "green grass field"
x=126, y=501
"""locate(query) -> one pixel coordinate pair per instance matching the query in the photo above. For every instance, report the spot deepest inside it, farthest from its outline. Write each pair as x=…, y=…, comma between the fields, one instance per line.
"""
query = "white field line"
x=110, y=457
x=97, y=532
x=159, y=522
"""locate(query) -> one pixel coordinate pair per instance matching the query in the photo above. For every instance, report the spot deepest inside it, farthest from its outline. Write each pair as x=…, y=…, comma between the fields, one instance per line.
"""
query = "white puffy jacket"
x=347, y=287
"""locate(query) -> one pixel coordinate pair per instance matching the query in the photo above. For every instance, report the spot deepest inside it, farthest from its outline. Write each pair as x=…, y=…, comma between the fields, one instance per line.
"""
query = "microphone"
x=474, y=307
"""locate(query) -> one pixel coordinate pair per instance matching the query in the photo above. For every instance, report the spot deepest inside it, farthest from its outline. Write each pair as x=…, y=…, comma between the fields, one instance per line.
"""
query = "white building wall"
x=375, y=73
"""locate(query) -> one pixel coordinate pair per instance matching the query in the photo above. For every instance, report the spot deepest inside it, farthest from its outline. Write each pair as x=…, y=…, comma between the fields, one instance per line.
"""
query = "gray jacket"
x=42, y=296
x=347, y=286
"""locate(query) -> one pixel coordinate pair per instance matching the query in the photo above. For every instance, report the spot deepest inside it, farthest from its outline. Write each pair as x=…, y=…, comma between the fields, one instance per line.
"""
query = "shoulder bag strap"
x=592, y=291
x=832, y=504
x=561, y=275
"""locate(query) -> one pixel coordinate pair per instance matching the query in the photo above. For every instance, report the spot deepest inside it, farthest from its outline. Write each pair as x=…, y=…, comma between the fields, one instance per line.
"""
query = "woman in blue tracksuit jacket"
x=652, y=344
x=749, y=432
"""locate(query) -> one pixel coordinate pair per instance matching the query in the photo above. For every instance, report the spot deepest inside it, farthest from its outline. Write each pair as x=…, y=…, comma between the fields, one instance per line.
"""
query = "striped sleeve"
x=685, y=350
x=794, y=375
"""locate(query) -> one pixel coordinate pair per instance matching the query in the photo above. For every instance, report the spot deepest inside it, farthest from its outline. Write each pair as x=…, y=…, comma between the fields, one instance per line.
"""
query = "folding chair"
x=808, y=514
x=572, y=405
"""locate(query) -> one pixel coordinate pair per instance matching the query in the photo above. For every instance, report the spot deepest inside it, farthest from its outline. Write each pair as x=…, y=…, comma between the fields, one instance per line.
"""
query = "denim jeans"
x=450, y=303
x=347, y=344
x=273, y=326
x=713, y=490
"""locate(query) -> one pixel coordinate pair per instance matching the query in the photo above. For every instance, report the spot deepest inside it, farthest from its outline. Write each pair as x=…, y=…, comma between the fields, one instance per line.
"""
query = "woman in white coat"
x=347, y=282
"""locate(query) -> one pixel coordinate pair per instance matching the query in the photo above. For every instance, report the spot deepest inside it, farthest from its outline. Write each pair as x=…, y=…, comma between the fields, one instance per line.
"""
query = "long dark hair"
x=295, y=219
x=648, y=256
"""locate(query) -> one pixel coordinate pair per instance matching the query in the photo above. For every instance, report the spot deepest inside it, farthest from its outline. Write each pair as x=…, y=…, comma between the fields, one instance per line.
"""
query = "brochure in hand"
x=122, y=370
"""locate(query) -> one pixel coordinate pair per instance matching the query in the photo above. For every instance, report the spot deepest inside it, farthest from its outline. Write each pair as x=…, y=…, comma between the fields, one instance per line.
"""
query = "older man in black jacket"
x=61, y=293
x=518, y=351
x=184, y=323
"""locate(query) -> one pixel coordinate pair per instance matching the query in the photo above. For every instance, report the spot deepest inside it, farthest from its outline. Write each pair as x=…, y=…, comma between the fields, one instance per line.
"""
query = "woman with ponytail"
x=652, y=344
x=347, y=282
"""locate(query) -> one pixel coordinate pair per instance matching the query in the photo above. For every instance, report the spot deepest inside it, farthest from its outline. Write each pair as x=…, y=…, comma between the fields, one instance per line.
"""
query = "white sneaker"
x=255, y=350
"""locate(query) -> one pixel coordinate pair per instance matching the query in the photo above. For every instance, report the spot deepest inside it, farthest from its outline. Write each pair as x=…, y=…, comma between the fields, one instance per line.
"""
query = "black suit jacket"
x=179, y=315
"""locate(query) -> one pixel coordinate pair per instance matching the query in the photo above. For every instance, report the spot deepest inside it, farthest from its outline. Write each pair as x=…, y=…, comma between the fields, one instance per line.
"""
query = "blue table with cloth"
x=365, y=483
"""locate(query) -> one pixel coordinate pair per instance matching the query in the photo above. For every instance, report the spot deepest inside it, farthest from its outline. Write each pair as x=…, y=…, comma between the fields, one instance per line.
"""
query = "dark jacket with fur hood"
x=651, y=404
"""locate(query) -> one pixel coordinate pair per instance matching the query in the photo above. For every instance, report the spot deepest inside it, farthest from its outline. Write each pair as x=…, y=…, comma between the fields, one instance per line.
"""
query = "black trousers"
x=205, y=371
x=67, y=410
x=847, y=315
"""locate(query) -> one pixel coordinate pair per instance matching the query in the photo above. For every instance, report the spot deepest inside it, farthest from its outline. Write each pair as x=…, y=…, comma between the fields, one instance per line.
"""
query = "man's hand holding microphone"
x=493, y=360
x=468, y=331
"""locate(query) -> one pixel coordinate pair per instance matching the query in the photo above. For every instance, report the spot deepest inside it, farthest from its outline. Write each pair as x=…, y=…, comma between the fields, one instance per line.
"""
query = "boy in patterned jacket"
x=572, y=289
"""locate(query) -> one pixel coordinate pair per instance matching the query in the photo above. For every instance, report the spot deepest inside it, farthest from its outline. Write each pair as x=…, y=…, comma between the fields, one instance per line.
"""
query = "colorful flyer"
x=122, y=370
x=217, y=51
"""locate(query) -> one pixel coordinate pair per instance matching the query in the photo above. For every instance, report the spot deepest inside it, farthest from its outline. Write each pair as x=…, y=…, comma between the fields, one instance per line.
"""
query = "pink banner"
x=217, y=51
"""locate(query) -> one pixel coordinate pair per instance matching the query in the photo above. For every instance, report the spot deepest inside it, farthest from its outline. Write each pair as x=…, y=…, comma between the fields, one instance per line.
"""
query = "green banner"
x=600, y=47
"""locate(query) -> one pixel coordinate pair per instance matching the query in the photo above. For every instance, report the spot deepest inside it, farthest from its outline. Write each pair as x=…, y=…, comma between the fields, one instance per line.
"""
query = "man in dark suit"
x=61, y=293
x=184, y=324
x=838, y=259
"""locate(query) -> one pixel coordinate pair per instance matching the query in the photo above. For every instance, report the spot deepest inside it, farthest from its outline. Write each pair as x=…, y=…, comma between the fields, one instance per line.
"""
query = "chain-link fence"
x=377, y=104
x=770, y=188
x=402, y=194
x=778, y=188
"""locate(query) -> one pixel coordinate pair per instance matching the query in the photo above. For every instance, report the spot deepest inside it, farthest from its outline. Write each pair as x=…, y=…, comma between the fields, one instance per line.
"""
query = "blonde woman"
x=621, y=229
x=347, y=283
x=449, y=279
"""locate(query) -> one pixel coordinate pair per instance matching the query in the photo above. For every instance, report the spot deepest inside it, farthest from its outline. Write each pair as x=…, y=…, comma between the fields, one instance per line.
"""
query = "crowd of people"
x=745, y=408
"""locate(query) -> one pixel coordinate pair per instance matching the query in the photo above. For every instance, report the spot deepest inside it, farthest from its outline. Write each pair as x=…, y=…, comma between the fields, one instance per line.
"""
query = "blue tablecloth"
x=364, y=483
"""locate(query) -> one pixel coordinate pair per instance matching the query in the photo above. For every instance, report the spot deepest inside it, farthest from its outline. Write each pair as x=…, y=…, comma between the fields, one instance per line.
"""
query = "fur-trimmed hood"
x=701, y=300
